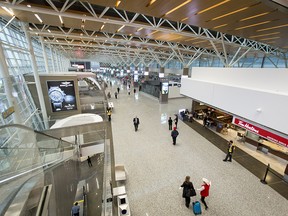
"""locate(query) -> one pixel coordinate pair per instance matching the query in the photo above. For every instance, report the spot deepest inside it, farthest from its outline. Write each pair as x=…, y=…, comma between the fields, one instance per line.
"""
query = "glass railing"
x=23, y=158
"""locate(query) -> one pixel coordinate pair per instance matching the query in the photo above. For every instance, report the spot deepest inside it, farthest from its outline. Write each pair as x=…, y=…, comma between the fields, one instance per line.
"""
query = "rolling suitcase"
x=196, y=206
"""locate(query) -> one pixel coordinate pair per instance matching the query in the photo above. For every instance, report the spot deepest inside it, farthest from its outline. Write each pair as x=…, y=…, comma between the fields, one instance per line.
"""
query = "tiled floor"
x=156, y=168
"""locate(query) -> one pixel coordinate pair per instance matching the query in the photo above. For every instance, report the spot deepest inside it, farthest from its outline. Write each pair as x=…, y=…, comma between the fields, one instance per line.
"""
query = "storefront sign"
x=8, y=112
x=261, y=132
x=165, y=87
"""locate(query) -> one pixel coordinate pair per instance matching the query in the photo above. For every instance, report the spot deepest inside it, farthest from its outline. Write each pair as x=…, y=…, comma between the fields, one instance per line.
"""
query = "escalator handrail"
x=35, y=131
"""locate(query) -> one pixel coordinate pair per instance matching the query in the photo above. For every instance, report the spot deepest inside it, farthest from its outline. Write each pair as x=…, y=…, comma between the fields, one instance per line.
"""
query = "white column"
x=57, y=61
x=9, y=87
x=44, y=55
x=36, y=76
x=52, y=58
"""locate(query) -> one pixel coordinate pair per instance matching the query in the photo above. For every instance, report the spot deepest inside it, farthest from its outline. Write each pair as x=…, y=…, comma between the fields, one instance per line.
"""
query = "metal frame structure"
x=163, y=51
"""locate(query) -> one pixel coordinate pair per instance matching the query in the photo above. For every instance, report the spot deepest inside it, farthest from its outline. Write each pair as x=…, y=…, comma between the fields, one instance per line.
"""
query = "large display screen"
x=62, y=95
x=165, y=87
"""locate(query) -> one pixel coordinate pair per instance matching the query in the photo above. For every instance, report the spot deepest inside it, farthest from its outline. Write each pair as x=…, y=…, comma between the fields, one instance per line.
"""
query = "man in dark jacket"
x=174, y=135
x=136, y=122
x=170, y=121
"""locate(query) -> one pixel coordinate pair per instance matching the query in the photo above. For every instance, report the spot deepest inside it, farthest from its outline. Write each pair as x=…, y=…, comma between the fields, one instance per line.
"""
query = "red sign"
x=261, y=132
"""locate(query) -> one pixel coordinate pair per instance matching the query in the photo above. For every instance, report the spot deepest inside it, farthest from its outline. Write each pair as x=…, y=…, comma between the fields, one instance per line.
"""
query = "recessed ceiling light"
x=38, y=17
x=29, y=6
x=213, y=6
x=121, y=28
x=230, y=13
x=256, y=24
x=219, y=26
x=274, y=27
x=8, y=10
x=102, y=26
x=252, y=17
x=61, y=20
x=117, y=3
x=139, y=29
x=176, y=8
x=255, y=36
x=150, y=3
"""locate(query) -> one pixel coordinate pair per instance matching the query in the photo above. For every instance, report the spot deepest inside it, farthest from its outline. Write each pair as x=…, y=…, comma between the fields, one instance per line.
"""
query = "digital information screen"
x=62, y=95
x=165, y=87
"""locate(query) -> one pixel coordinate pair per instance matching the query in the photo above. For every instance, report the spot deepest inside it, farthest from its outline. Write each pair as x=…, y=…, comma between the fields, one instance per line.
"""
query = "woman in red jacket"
x=204, y=191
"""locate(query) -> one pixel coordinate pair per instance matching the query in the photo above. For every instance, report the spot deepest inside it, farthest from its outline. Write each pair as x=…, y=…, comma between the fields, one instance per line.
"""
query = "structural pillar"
x=185, y=71
x=57, y=62
x=8, y=86
x=44, y=55
x=146, y=73
x=52, y=58
x=36, y=76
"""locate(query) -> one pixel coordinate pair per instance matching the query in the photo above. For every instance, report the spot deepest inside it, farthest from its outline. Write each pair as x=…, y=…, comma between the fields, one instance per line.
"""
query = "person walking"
x=115, y=95
x=176, y=120
x=230, y=150
x=134, y=90
x=170, y=121
x=75, y=211
x=108, y=95
x=188, y=191
x=205, y=120
x=136, y=123
x=118, y=89
x=109, y=113
x=174, y=135
x=204, y=191
x=89, y=162
x=128, y=91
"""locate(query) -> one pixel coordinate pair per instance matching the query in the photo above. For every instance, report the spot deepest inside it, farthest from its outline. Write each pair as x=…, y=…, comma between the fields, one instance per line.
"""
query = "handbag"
x=192, y=192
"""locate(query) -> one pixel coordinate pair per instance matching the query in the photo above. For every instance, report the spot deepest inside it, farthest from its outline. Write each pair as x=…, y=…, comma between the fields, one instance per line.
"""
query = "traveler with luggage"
x=188, y=191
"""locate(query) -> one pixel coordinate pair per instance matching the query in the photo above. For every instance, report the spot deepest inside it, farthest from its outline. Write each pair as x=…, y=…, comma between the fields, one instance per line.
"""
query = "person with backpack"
x=174, y=135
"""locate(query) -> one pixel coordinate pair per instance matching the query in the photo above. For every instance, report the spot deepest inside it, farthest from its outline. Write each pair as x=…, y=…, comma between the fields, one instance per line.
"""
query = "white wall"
x=242, y=91
x=174, y=91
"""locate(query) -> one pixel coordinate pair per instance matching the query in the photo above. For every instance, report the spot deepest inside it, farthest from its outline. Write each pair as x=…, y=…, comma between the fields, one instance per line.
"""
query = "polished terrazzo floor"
x=156, y=168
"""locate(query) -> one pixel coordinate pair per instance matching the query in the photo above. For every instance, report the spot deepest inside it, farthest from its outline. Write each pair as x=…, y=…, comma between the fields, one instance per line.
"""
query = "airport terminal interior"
x=92, y=93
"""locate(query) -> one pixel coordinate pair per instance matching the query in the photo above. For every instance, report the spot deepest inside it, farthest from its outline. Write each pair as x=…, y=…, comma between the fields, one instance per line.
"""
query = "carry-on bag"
x=196, y=206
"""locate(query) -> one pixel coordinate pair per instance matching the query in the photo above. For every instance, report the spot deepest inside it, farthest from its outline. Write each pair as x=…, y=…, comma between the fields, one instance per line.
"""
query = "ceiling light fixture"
x=228, y=14
x=213, y=6
x=256, y=24
x=117, y=3
x=61, y=20
x=199, y=41
x=252, y=17
x=255, y=36
x=8, y=10
x=184, y=19
x=152, y=32
x=120, y=28
x=29, y=6
x=176, y=8
x=191, y=39
x=38, y=17
x=102, y=27
x=150, y=3
x=264, y=39
x=139, y=29
x=274, y=27
x=49, y=30
x=219, y=26
x=30, y=29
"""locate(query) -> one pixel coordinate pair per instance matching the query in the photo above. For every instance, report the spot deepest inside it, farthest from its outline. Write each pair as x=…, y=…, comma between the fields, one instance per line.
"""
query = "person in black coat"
x=136, y=122
x=187, y=188
x=170, y=121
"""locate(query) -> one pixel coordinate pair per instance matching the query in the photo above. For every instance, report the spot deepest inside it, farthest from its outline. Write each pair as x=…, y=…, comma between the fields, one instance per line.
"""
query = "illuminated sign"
x=261, y=132
x=8, y=112
x=165, y=88
x=62, y=95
